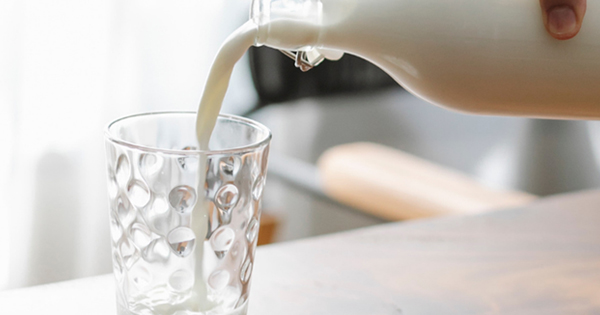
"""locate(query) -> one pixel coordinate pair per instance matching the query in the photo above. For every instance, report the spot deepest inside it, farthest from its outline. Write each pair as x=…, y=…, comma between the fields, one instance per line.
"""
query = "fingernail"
x=561, y=20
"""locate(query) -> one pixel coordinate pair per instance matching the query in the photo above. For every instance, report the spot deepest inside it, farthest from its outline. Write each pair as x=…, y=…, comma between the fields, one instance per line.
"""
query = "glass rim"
x=246, y=148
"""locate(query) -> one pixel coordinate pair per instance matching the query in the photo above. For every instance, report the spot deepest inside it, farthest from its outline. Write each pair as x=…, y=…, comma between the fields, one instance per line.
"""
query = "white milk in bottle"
x=477, y=56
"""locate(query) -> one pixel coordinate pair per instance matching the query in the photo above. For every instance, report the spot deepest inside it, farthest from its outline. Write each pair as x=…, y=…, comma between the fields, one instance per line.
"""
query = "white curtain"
x=68, y=67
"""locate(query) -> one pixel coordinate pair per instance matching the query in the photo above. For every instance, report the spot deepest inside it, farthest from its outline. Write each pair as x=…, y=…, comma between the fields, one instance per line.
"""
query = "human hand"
x=563, y=18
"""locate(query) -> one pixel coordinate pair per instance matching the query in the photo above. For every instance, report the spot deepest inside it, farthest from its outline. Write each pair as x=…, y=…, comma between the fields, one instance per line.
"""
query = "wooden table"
x=541, y=259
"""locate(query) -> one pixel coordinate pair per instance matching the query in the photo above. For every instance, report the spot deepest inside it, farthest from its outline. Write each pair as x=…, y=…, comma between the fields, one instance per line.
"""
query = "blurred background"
x=69, y=67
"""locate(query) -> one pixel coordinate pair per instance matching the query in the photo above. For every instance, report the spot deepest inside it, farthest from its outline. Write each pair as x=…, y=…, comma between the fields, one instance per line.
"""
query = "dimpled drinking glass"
x=170, y=258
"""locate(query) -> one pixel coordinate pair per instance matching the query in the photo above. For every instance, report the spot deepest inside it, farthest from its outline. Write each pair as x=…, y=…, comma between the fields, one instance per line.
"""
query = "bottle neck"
x=287, y=24
x=295, y=27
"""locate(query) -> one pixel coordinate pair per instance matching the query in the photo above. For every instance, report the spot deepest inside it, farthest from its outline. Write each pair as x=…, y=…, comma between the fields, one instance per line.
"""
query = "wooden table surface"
x=541, y=259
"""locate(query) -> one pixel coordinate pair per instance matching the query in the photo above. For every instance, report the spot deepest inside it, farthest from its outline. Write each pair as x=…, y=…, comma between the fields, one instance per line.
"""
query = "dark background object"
x=277, y=79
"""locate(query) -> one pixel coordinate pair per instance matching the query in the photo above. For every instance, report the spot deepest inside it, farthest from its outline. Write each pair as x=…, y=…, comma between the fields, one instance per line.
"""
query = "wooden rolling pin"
x=393, y=185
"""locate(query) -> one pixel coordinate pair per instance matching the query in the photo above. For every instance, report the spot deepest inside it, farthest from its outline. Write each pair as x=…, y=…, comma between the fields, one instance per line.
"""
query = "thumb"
x=563, y=18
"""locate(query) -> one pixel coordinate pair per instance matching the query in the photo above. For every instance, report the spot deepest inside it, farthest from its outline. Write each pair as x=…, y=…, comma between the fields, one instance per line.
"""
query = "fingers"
x=563, y=18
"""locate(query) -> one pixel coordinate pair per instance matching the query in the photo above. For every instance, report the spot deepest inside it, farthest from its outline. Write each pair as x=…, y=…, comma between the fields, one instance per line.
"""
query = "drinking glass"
x=184, y=222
